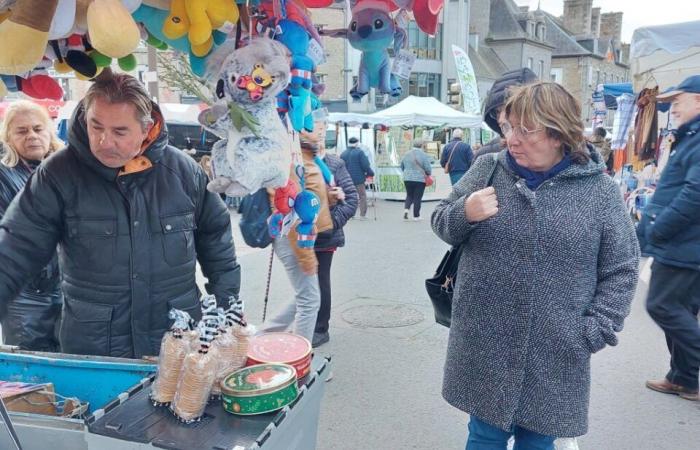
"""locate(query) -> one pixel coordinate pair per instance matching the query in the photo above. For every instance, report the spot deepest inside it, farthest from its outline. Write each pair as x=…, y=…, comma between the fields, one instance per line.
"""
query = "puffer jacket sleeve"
x=684, y=210
x=342, y=212
x=618, y=265
x=29, y=232
x=214, y=244
x=449, y=220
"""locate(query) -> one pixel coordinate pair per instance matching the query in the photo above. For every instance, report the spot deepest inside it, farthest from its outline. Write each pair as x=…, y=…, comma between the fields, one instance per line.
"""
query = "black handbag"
x=440, y=287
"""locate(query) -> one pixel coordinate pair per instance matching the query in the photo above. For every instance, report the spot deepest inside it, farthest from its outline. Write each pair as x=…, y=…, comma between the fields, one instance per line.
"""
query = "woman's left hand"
x=338, y=193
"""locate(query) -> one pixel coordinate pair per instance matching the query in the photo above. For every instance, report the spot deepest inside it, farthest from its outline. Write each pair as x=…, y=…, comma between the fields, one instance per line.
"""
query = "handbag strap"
x=415, y=159
x=489, y=181
x=452, y=152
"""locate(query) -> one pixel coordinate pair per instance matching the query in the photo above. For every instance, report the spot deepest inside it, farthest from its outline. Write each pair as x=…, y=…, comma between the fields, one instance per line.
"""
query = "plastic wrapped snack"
x=198, y=372
x=173, y=349
x=227, y=342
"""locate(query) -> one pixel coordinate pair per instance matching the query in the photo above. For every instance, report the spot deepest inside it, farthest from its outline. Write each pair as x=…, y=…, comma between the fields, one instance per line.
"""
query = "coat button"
x=135, y=276
x=136, y=223
x=168, y=227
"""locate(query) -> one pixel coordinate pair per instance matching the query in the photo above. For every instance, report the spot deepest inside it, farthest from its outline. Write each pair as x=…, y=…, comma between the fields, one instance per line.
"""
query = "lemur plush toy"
x=255, y=150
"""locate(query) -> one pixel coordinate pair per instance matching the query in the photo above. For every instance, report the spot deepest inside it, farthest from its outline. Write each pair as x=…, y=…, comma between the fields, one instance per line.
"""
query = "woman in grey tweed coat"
x=546, y=278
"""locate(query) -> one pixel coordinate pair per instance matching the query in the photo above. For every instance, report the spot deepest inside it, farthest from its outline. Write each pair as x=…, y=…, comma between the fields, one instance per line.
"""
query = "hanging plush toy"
x=24, y=35
x=113, y=31
x=372, y=31
x=154, y=21
x=255, y=147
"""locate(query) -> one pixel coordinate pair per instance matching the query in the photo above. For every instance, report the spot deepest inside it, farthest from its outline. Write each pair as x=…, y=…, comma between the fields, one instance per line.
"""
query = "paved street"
x=385, y=393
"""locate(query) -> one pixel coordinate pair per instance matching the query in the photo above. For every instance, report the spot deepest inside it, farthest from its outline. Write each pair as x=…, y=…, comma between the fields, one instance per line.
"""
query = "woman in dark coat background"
x=546, y=276
x=343, y=200
x=27, y=136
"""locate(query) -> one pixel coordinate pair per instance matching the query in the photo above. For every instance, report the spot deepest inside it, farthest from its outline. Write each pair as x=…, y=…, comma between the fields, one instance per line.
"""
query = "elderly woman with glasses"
x=547, y=273
x=27, y=135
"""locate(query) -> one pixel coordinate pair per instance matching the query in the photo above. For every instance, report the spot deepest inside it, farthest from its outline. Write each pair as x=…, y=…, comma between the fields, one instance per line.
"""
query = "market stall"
x=113, y=409
x=397, y=126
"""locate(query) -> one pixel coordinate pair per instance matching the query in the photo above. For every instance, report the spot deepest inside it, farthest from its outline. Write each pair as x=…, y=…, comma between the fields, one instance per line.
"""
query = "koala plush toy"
x=255, y=148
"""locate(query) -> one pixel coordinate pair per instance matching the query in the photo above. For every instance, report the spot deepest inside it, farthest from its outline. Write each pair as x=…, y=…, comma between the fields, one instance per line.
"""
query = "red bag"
x=429, y=180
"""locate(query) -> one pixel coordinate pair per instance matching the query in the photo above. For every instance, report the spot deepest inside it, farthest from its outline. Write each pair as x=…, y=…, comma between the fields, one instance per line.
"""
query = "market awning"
x=413, y=111
x=665, y=55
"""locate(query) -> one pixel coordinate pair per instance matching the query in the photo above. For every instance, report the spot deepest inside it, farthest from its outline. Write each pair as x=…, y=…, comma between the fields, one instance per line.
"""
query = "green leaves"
x=240, y=118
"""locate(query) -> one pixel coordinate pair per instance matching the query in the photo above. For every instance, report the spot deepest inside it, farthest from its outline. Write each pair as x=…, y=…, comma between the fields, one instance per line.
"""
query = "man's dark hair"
x=600, y=131
x=121, y=88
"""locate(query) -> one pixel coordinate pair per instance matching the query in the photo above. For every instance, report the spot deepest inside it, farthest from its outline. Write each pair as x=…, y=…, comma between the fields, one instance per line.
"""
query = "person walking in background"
x=456, y=157
x=31, y=320
x=670, y=232
x=415, y=166
x=358, y=166
x=493, y=106
x=342, y=201
x=546, y=276
x=603, y=146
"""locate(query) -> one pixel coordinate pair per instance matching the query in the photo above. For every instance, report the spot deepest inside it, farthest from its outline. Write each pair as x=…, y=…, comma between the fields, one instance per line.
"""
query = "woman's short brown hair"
x=121, y=88
x=11, y=157
x=550, y=106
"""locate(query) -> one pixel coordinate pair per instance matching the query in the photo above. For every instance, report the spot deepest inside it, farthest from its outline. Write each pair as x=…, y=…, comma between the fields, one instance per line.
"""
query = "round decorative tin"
x=281, y=348
x=259, y=389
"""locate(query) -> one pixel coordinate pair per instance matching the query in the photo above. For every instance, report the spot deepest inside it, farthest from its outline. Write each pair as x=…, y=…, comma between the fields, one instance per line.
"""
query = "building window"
x=422, y=84
x=529, y=63
x=556, y=75
x=422, y=44
x=540, y=69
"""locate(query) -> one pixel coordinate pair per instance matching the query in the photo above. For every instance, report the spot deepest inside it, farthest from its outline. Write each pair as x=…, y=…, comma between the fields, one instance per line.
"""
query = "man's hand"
x=481, y=205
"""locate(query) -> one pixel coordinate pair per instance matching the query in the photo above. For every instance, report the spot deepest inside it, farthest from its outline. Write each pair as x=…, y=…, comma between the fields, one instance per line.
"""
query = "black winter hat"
x=497, y=96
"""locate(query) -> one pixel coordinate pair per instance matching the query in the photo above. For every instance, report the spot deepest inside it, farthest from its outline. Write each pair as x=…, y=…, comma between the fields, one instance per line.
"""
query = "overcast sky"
x=637, y=13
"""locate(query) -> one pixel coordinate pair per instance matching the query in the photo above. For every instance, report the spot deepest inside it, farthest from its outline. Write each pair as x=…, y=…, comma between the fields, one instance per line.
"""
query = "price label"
x=316, y=52
x=403, y=64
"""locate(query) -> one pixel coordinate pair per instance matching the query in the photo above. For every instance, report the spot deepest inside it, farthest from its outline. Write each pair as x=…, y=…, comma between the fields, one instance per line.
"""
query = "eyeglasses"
x=520, y=131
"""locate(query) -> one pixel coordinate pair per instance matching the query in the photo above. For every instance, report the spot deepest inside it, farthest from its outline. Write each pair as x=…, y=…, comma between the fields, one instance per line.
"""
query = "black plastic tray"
x=137, y=420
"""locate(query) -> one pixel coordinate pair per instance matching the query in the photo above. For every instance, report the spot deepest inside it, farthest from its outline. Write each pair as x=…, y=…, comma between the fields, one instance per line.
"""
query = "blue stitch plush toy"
x=372, y=31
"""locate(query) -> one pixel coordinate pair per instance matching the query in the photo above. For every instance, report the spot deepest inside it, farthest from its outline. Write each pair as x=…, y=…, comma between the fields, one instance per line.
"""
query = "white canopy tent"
x=665, y=55
x=413, y=111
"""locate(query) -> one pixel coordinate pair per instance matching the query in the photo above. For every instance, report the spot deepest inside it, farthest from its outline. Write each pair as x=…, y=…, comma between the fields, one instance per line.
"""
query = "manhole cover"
x=382, y=316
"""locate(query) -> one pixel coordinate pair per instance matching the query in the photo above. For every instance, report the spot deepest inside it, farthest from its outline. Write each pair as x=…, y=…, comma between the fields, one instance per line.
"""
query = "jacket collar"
x=594, y=166
x=79, y=143
x=690, y=128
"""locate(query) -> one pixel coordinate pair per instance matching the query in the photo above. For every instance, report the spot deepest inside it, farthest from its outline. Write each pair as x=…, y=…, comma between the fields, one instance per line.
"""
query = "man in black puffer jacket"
x=131, y=217
x=494, y=102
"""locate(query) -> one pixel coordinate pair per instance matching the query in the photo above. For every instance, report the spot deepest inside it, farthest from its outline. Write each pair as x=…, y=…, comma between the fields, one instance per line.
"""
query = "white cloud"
x=636, y=13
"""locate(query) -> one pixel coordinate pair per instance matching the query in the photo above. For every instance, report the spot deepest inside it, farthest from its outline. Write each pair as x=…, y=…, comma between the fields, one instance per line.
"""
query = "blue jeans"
x=456, y=176
x=483, y=436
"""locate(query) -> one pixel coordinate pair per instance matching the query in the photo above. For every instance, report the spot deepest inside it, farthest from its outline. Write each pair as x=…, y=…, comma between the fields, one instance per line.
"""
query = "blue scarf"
x=534, y=179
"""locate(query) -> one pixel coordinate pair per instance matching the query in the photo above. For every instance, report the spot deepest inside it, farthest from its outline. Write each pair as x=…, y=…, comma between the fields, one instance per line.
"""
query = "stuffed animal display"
x=255, y=150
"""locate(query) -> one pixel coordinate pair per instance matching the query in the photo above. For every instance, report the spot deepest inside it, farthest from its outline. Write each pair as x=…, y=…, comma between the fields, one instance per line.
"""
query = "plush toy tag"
x=402, y=19
x=315, y=52
x=403, y=64
x=227, y=27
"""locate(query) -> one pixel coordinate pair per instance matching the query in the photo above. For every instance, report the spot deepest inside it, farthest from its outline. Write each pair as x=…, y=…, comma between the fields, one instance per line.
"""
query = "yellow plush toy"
x=198, y=19
x=24, y=35
x=112, y=29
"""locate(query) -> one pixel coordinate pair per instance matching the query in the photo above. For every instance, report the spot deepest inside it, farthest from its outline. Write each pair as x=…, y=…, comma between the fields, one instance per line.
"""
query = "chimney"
x=595, y=22
x=611, y=26
x=480, y=18
x=577, y=17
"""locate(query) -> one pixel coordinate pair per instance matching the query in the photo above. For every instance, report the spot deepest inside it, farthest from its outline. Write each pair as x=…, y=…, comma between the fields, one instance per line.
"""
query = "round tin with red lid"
x=281, y=348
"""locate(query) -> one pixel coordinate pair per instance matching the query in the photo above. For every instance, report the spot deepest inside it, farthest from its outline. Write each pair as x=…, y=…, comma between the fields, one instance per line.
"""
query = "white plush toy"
x=255, y=150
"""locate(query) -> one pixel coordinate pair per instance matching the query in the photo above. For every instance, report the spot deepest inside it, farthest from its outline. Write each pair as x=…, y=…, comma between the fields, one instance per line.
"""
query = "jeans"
x=456, y=176
x=414, y=196
x=362, y=193
x=324, y=282
x=483, y=436
x=673, y=302
x=299, y=314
